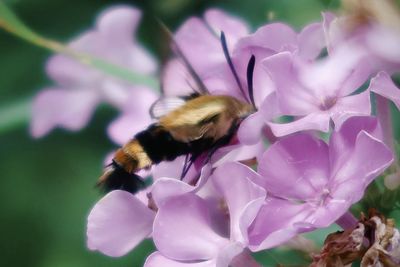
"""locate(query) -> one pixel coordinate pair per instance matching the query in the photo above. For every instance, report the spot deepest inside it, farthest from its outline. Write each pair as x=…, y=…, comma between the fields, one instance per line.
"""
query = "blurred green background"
x=47, y=185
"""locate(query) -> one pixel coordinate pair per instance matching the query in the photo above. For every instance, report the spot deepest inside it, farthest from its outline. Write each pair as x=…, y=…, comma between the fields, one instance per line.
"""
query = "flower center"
x=328, y=103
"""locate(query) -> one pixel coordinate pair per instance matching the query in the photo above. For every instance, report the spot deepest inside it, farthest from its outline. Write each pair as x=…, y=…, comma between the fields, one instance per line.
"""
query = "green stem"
x=12, y=24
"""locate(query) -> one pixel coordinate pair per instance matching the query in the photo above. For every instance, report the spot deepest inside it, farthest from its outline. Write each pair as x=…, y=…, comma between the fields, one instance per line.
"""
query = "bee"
x=201, y=123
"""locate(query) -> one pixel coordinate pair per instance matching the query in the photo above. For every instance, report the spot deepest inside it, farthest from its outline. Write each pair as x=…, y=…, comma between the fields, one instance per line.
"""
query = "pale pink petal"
x=275, y=36
x=292, y=98
x=383, y=85
x=135, y=115
x=119, y=22
x=250, y=130
x=176, y=80
x=70, y=109
x=182, y=229
x=70, y=73
x=325, y=80
x=275, y=223
x=228, y=253
x=326, y=214
x=311, y=41
x=124, y=128
x=369, y=158
x=117, y=26
x=118, y=223
x=314, y=121
x=201, y=47
x=349, y=106
x=156, y=259
x=164, y=188
x=343, y=140
x=231, y=179
x=295, y=167
x=173, y=169
x=233, y=27
x=384, y=42
x=237, y=153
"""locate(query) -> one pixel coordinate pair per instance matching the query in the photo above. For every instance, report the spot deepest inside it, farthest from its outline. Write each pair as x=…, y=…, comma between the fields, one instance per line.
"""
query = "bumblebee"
x=201, y=124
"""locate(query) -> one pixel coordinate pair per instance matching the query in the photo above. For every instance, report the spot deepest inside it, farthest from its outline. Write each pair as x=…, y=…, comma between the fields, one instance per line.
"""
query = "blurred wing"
x=165, y=105
x=201, y=88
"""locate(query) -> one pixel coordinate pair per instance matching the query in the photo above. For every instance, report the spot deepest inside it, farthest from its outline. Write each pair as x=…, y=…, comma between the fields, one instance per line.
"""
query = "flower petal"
x=237, y=153
x=156, y=259
x=196, y=40
x=275, y=36
x=117, y=25
x=275, y=224
x=311, y=41
x=343, y=141
x=293, y=99
x=70, y=109
x=250, y=129
x=349, y=106
x=231, y=179
x=118, y=223
x=135, y=116
x=369, y=158
x=165, y=188
x=383, y=85
x=182, y=229
x=233, y=27
x=315, y=121
x=295, y=167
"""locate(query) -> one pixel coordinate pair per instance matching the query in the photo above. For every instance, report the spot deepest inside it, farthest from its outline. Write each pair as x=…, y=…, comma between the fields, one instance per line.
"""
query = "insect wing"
x=165, y=105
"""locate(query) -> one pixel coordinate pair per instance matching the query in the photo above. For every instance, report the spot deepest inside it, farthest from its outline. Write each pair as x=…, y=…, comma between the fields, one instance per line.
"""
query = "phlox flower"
x=319, y=92
x=311, y=184
x=206, y=226
x=120, y=220
x=79, y=89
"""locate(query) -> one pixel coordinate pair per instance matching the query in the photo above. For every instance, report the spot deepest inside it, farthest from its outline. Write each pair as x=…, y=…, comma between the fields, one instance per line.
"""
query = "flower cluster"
x=280, y=177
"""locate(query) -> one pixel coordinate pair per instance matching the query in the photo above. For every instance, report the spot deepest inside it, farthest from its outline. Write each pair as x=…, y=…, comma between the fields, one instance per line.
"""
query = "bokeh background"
x=47, y=185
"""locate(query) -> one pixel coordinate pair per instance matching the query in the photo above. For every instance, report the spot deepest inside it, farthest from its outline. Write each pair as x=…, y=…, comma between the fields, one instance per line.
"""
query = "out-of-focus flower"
x=312, y=184
x=78, y=88
x=372, y=26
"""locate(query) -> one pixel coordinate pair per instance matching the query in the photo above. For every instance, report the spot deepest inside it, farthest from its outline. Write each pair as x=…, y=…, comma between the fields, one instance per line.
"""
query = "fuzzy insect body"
x=203, y=123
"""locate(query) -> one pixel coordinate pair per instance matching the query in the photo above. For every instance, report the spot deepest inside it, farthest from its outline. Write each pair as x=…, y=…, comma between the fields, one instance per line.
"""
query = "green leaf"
x=11, y=23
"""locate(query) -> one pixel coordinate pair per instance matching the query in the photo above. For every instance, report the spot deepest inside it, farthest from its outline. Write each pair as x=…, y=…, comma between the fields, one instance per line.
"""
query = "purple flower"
x=199, y=40
x=312, y=184
x=316, y=93
x=118, y=223
x=192, y=228
x=269, y=40
x=79, y=88
x=383, y=85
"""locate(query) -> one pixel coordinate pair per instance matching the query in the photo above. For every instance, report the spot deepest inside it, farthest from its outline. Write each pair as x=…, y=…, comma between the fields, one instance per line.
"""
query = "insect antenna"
x=250, y=76
x=203, y=89
x=230, y=63
x=187, y=165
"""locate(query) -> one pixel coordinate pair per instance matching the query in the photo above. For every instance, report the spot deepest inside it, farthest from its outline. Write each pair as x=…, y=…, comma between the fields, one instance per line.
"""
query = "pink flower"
x=312, y=184
x=318, y=92
x=191, y=227
x=118, y=223
x=79, y=89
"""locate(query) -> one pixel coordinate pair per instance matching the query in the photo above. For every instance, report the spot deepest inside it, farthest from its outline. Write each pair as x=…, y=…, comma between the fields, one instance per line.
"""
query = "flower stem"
x=347, y=221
